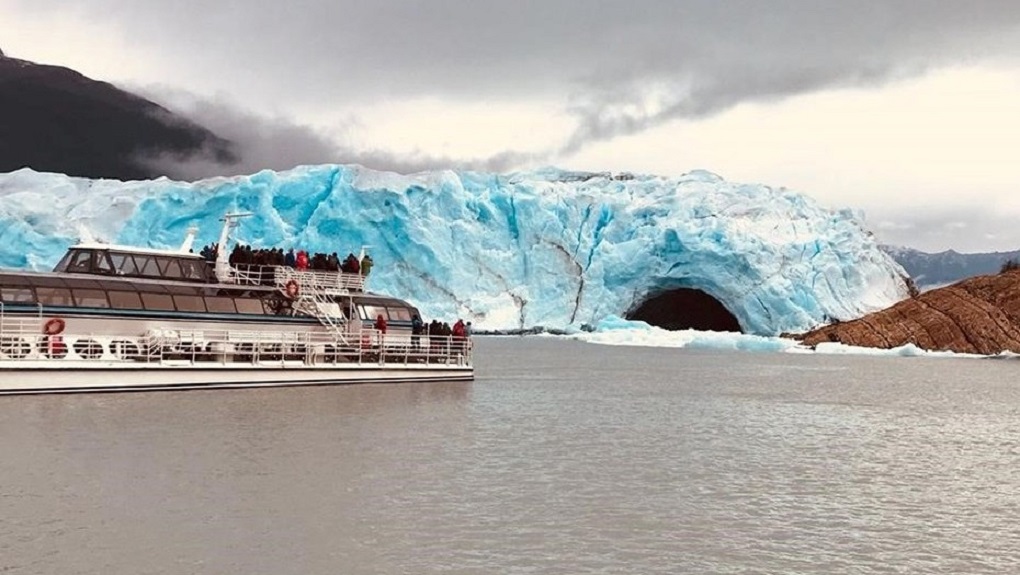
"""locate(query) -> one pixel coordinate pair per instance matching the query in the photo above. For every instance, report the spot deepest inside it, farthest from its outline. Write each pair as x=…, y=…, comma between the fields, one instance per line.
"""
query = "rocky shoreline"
x=978, y=315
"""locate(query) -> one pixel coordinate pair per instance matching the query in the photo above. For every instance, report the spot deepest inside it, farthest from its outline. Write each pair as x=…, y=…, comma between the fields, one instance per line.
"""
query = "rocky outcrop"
x=977, y=315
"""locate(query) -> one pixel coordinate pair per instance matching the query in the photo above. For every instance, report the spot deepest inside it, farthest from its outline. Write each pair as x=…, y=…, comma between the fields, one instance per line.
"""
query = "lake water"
x=562, y=457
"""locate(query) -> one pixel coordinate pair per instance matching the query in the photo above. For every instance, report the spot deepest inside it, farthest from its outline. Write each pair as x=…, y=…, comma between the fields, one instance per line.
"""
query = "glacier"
x=546, y=248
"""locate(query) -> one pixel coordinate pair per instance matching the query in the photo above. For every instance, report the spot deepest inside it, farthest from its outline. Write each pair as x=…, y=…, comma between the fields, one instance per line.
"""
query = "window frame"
x=90, y=299
x=197, y=303
x=158, y=303
x=114, y=295
x=217, y=301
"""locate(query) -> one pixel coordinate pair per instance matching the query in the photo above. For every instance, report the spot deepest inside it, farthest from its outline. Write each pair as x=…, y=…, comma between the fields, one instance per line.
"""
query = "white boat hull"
x=46, y=377
x=78, y=349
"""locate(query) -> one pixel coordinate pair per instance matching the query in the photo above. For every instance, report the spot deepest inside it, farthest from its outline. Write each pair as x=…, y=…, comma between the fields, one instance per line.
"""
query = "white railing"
x=23, y=340
x=280, y=276
x=20, y=324
x=327, y=282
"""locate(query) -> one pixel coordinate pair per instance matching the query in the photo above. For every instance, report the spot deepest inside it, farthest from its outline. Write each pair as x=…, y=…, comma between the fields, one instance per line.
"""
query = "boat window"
x=249, y=305
x=189, y=303
x=53, y=296
x=80, y=262
x=170, y=268
x=370, y=312
x=62, y=264
x=124, y=264
x=158, y=301
x=90, y=298
x=17, y=294
x=102, y=264
x=125, y=300
x=146, y=266
x=220, y=304
x=193, y=269
x=400, y=313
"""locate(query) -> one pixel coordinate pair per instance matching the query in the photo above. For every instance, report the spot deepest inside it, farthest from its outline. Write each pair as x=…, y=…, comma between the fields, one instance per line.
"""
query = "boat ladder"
x=317, y=293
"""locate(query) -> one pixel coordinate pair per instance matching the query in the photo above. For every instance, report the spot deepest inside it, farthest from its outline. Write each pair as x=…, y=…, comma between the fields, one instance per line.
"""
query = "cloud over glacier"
x=547, y=248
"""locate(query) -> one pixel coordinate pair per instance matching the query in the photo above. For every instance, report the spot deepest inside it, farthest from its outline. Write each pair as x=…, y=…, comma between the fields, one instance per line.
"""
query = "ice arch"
x=685, y=308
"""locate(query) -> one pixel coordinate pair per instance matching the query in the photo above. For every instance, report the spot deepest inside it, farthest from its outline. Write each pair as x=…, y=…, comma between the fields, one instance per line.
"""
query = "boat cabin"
x=126, y=262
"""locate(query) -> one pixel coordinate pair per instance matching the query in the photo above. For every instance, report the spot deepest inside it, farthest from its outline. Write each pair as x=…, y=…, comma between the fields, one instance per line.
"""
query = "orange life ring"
x=54, y=326
x=293, y=289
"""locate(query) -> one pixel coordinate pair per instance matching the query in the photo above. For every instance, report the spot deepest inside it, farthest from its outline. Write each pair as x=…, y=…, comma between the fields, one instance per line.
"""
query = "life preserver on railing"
x=53, y=326
x=293, y=288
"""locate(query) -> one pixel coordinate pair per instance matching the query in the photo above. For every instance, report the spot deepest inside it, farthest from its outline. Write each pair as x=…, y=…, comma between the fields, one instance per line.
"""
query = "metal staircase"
x=316, y=295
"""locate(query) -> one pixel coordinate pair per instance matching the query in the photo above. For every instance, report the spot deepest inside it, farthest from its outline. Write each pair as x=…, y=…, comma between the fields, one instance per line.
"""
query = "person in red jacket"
x=301, y=262
x=459, y=335
x=380, y=324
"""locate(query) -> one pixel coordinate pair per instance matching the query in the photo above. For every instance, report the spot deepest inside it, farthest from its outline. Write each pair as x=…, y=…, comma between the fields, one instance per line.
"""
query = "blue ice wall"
x=544, y=248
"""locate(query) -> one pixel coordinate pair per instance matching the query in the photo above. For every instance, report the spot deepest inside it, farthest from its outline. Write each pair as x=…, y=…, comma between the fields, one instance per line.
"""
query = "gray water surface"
x=561, y=457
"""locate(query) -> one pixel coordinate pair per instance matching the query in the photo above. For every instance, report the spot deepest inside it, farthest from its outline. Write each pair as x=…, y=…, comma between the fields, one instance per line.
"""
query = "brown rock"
x=977, y=315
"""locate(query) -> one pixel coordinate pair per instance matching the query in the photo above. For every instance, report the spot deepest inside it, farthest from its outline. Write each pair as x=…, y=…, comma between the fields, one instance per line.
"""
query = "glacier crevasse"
x=548, y=248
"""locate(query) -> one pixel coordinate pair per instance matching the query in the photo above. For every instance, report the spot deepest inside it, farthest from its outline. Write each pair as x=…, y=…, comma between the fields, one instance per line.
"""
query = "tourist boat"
x=124, y=318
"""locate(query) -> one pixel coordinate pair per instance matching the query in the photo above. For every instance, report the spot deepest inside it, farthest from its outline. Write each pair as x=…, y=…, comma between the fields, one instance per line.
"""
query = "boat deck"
x=31, y=357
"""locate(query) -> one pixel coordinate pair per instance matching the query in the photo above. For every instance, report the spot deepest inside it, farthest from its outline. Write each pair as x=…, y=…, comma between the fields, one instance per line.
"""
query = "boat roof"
x=134, y=250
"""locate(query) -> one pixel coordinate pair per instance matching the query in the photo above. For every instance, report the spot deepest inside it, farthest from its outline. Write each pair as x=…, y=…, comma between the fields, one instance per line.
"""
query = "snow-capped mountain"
x=931, y=270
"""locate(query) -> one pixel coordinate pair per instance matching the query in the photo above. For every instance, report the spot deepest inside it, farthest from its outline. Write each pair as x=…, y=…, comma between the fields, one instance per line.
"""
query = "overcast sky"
x=907, y=110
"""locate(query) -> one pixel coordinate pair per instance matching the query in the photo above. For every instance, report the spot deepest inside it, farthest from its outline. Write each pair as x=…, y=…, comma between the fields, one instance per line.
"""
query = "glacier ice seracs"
x=548, y=248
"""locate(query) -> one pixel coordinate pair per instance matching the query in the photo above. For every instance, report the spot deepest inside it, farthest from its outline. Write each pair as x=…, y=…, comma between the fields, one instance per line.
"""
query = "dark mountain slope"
x=53, y=119
x=932, y=270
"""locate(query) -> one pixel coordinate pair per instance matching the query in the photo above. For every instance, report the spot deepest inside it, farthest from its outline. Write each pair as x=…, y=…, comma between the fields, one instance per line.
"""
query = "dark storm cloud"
x=619, y=66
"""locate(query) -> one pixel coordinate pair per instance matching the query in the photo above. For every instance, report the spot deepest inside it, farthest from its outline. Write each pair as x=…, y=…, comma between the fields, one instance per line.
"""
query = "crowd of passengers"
x=460, y=332
x=300, y=260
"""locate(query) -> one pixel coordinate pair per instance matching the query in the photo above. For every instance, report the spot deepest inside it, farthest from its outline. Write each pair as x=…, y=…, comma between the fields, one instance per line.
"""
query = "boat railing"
x=323, y=281
x=280, y=276
x=20, y=324
x=23, y=339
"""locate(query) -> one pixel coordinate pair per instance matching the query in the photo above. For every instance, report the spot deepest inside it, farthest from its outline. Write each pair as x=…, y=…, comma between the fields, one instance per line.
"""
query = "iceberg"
x=547, y=248
x=617, y=331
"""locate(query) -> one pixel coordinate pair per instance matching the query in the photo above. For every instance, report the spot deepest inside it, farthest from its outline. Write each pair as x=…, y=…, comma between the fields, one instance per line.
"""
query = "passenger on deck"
x=366, y=265
x=289, y=260
x=318, y=261
x=417, y=326
x=208, y=253
x=433, y=331
x=458, y=335
x=380, y=324
x=351, y=264
x=301, y=262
